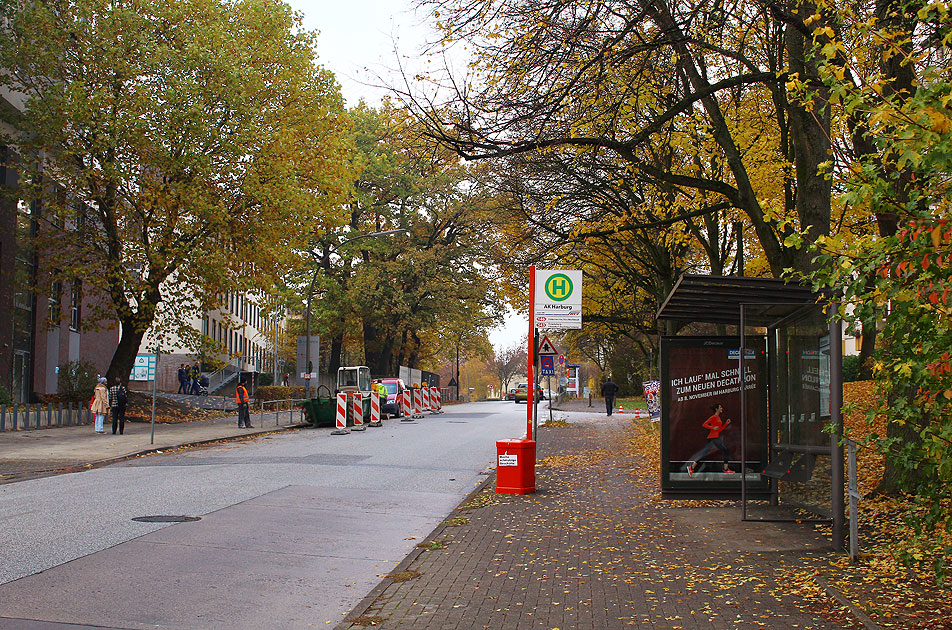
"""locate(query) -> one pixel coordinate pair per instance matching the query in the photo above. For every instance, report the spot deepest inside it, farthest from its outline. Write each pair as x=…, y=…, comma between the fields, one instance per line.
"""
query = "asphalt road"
x=294, y=528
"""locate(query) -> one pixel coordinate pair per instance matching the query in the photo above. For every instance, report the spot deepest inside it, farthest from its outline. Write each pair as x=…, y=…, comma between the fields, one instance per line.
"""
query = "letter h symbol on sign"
x=559, y=286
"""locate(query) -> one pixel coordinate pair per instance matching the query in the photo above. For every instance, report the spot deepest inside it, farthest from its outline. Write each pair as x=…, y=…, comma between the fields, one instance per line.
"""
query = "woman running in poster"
x=715, y=425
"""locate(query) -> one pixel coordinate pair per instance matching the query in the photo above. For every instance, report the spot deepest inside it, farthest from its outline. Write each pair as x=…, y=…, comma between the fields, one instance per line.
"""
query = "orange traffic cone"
x=621, y=408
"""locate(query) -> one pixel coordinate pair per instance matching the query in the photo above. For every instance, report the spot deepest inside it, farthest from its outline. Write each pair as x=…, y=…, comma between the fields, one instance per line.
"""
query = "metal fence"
x=39, y=416
x=278, y=412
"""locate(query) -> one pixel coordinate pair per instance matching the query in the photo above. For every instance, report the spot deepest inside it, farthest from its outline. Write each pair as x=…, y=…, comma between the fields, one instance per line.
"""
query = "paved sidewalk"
x=32, y=453
x=593, y=549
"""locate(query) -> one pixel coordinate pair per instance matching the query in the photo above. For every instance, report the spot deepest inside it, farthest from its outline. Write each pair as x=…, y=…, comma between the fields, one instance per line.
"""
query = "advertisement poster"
x=653, y=399
x=701, y=398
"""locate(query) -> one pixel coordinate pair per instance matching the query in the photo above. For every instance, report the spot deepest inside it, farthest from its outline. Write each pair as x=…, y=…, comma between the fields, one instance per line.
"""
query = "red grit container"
x=515, y=466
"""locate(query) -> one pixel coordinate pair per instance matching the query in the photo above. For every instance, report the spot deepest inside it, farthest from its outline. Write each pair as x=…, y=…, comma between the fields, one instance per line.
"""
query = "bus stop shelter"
x=779, y=376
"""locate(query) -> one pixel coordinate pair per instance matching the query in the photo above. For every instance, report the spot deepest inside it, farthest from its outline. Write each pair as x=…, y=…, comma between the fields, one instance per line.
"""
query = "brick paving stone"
x=588, y=550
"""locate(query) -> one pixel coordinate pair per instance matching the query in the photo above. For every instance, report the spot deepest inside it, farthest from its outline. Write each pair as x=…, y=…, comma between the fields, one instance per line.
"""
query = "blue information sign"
x=547, y=363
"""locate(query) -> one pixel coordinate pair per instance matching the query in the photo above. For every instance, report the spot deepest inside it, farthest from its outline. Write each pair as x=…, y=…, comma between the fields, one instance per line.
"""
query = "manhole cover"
x=165, y=518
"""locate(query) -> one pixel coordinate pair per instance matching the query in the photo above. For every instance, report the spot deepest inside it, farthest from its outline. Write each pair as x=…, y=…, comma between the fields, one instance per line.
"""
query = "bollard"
x=375, y=409
x=357, y=408
x=417, y=404
x=407, y=406
x=341, y=415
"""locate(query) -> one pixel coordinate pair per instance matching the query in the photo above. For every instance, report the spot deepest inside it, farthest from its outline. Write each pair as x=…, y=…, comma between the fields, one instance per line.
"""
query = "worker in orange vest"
x=241, y=397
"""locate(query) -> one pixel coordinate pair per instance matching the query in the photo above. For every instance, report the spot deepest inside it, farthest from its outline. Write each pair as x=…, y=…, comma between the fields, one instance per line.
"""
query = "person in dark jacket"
x=609, y=391
x=183, y=388
x=118, y=398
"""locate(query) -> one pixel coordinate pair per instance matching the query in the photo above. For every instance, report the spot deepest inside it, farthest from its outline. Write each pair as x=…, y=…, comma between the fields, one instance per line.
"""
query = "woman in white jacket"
x=100, y=404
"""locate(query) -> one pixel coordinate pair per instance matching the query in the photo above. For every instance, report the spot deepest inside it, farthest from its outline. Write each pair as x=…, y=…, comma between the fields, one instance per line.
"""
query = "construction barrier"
x=407, y=405
x=341, y=420
x=425, y=393
x=357, y=408
x=436, y=400
x=417, y=403
x=375, y=409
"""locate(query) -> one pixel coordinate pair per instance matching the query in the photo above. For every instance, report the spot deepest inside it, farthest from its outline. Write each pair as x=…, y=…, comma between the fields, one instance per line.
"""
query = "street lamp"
x=310, y=293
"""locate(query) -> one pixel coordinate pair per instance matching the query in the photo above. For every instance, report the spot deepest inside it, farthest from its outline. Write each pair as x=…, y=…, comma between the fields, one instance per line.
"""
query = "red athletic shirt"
x=715, y=424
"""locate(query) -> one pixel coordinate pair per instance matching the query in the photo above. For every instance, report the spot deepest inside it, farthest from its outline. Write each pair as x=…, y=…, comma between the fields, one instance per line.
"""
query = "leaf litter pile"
x=168, y=410
x=598, y=546
x=878, y=585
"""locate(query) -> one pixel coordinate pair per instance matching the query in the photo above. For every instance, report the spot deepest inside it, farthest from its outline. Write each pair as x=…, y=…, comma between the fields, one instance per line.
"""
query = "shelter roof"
x=718, y=300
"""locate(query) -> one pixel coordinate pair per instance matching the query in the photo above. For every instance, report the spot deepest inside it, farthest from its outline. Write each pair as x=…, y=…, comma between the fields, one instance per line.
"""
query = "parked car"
x=392, y=406
x=522, y=393
x=511, y=394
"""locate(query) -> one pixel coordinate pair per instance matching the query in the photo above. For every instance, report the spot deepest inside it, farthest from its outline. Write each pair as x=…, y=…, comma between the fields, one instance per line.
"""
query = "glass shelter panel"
x=800, y=454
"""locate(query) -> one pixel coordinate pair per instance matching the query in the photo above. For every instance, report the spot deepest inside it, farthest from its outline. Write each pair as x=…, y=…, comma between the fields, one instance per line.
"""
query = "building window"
x=75, y=305
x=55, y=303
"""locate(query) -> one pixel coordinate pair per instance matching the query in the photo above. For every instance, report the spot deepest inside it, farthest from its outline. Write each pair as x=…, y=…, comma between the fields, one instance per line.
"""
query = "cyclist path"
x=30, y=453
x=594, y=548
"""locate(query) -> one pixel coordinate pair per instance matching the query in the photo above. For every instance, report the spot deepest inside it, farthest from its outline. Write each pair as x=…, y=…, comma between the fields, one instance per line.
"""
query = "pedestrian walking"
x=715, y=426
x=609, y=391
x=182, y=380
x=99, y=405
x=118, y=398
x=241, y=397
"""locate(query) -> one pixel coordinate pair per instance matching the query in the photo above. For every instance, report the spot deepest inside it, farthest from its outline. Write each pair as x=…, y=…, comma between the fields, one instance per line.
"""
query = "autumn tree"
x=508, y=362
x=888, y=72
x=614, y=78
x=184, y=145
x=405, y=298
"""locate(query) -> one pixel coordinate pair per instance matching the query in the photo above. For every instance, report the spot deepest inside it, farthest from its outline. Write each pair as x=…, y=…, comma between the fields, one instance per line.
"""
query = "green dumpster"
x=321, y=411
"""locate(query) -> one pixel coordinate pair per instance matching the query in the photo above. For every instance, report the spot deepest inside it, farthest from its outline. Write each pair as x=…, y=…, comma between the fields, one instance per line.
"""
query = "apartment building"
x=39, y=331
x=237, y=339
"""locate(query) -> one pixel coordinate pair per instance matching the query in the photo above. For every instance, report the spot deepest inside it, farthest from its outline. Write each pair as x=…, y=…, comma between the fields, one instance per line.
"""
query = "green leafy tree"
x=186, y=146
x=402, y=298
x=900, y=173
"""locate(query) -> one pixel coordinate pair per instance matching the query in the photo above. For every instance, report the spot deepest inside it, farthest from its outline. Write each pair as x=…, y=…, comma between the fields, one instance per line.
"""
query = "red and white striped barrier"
x=407, y=406
x=341, y=420
x=375, y=410
x=425, y=392
x=357, y=408
x=417, y=403
x=436, y=400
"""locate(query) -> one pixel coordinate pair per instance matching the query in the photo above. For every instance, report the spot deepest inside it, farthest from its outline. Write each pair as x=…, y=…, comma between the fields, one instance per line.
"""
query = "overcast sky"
x=357, y=39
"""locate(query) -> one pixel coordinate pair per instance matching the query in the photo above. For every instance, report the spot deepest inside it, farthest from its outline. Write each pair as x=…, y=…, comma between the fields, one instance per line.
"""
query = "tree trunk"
x=333, y=361
x=810, y=136
x=124, y=358
x=378, y=351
